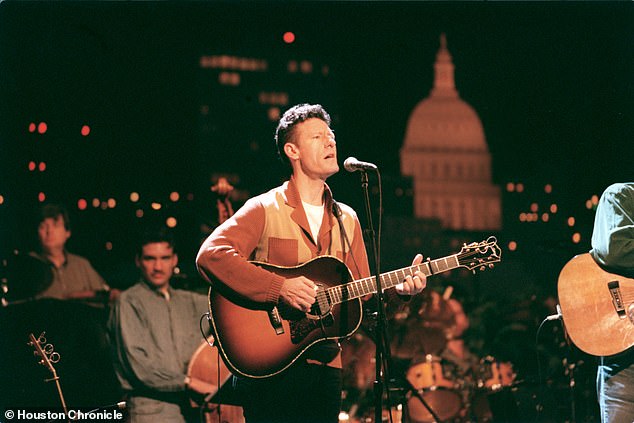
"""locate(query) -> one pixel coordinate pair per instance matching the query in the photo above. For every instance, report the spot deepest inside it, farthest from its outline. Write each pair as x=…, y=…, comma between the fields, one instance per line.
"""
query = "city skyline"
x=550, y=82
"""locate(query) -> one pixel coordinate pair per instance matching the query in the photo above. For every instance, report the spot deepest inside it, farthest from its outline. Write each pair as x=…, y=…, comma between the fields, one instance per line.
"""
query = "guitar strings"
x=358, y=285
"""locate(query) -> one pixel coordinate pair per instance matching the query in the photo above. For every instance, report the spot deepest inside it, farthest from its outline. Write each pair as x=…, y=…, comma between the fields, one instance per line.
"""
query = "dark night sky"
x=552, y=82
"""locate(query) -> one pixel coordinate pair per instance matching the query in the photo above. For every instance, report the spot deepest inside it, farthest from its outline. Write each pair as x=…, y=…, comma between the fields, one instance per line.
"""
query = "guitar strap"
x=336, y=210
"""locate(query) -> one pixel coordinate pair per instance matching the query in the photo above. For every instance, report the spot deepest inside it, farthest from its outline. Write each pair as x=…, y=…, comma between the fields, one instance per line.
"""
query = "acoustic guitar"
x=597, y=307
x=258, y=341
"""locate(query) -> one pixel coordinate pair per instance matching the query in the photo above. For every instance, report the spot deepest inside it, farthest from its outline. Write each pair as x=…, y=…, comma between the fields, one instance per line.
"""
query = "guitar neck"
x=365, y=286
x=45, y=361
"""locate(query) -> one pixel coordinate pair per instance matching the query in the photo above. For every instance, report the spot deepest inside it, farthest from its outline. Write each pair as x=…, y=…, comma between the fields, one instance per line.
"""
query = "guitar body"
x=246, y=334
x=597, y=307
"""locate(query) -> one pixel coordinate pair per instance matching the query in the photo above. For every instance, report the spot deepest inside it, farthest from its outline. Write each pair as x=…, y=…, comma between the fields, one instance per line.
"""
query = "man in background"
x=73, y=276
x=154, y=331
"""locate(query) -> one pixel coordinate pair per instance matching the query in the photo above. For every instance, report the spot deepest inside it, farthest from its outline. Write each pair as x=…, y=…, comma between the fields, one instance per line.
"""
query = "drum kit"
x=435, y=381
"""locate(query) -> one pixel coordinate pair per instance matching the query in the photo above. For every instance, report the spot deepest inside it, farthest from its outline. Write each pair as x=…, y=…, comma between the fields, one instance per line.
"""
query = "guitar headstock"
x=480, y=255
x=45, y=351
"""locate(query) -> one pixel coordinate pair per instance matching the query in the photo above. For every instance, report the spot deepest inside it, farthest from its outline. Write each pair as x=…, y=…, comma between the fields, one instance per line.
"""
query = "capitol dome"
x=446, y=154
x=445, y=123
x=443, y=120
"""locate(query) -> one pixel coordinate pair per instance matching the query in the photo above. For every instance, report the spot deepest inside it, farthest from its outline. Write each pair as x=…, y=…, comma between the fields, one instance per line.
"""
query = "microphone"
x=555, y=316
x=351, y=164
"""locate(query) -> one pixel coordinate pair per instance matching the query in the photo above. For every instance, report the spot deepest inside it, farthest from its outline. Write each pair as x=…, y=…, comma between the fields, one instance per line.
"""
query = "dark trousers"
x=306, y=393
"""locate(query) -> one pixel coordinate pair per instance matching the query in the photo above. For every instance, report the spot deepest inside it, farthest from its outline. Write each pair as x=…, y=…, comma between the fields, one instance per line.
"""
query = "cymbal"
x=26, y=276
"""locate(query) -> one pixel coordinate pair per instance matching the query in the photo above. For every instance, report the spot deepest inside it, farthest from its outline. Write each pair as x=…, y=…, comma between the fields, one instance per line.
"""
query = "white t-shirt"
x=315, y=215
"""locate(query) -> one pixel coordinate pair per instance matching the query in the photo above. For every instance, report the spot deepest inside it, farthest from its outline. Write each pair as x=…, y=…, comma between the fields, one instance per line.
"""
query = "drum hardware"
x=494, y=375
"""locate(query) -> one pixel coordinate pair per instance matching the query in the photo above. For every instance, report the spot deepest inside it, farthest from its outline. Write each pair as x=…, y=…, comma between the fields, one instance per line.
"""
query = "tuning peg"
x=490, y=266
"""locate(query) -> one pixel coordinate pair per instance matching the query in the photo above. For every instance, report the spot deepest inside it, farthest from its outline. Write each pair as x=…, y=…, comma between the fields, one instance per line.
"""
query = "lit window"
x=274, y=114
x=306, y=66
x=229, y=78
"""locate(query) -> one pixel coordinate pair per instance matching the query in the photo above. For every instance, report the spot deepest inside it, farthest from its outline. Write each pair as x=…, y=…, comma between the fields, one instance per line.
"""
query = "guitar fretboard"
x=362, y=287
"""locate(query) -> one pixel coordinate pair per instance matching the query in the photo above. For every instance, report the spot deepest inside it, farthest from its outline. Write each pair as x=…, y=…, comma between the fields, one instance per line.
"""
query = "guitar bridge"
x=276, y=321
x=617, y=299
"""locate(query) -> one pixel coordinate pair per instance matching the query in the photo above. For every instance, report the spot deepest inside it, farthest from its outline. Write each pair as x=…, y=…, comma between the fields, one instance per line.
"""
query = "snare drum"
x=434, y=380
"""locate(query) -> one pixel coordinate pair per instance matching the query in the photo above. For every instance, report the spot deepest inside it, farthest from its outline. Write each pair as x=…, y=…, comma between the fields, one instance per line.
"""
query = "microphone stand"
x=382, y=350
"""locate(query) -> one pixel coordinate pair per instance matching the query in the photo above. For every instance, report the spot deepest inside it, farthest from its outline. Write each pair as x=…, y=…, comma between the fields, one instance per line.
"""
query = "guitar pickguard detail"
x=300, y=329
x=617, y=298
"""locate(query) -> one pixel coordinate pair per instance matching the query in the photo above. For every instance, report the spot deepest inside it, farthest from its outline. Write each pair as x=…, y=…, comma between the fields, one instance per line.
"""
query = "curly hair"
x=285, y=131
